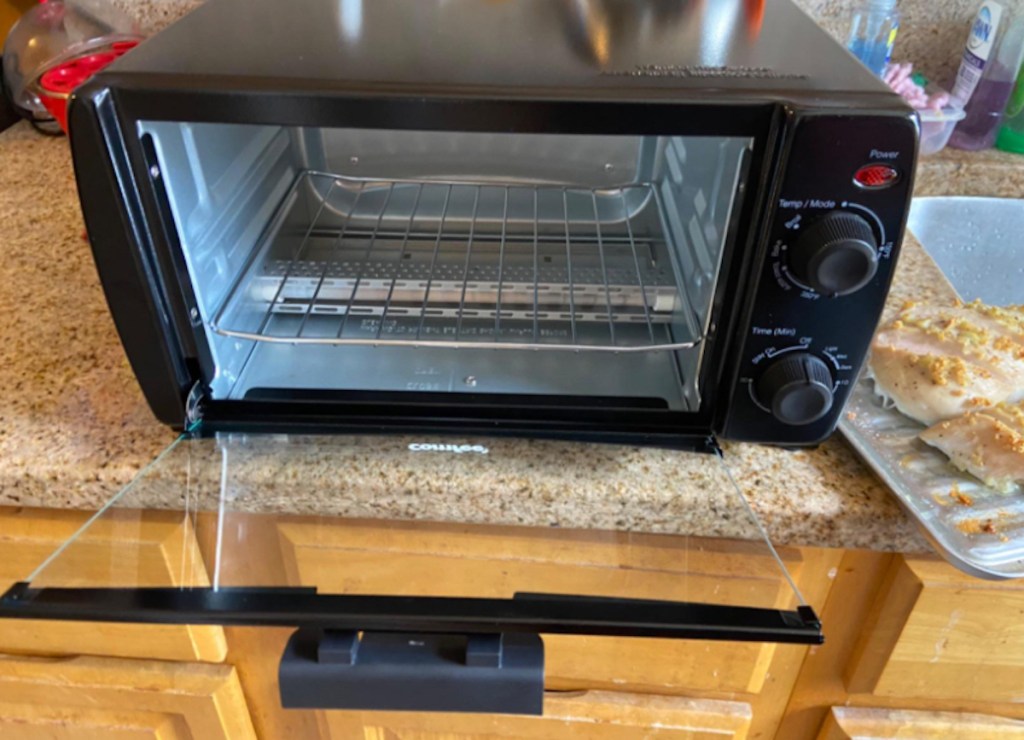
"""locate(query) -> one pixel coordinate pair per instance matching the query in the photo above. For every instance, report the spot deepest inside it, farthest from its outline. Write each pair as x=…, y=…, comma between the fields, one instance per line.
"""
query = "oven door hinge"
x=194, y=406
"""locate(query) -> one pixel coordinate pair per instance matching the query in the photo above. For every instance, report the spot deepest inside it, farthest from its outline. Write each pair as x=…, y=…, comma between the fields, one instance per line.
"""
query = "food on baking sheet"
x=959, y=496
x=937, y=362
x=988, y=444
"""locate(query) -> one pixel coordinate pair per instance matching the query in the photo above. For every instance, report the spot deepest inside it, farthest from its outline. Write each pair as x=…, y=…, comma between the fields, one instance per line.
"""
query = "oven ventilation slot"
x=462, y=264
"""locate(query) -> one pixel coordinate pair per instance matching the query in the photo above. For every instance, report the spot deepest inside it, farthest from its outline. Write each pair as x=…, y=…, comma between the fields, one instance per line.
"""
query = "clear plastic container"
x=937, y=126
x=873, y=28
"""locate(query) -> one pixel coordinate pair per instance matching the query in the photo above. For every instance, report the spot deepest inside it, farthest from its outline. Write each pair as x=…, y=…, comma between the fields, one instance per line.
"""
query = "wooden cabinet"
x=936, y=633
x=910, y=637
x=585, y=715
x=598, y=687
x=860, y=723
x=914, y=648
x=454, y=560
x=164, y=554
x=86, y=697
x=439, y=560
x=601, y=715
x=152, y=681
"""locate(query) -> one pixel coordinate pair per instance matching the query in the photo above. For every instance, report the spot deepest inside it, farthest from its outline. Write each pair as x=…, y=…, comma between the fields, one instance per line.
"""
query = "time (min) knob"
x=836, y=255
x=797, y=388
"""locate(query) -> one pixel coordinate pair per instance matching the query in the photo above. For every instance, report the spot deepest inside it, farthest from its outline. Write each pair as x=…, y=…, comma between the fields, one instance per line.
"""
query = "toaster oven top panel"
x=581, y=48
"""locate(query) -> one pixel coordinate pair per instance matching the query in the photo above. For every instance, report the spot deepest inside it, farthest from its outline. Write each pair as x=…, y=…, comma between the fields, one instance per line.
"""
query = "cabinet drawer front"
x=115, y=698
x=166, y=548
x=934, y=632
x=590, y=715
x=864, y=723
x=450, y=560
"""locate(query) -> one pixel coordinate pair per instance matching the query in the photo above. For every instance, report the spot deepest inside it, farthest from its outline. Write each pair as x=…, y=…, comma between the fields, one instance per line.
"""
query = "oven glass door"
x=455, y=547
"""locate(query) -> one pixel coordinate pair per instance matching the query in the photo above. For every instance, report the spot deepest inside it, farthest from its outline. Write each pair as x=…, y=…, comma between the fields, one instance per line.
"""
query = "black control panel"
x=824, y=278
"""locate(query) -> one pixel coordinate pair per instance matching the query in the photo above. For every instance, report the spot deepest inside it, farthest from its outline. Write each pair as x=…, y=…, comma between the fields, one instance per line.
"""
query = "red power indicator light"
x=876, y=176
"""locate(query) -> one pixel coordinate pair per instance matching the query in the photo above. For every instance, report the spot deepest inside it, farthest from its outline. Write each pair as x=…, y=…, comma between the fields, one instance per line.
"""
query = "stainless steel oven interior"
x=361, y=260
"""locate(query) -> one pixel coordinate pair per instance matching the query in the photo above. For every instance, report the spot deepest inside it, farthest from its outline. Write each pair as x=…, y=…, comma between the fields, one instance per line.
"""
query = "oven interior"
x=326, y=262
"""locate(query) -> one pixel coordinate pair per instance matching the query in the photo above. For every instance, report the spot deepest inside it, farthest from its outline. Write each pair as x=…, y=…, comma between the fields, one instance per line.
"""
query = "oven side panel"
x=118, y=236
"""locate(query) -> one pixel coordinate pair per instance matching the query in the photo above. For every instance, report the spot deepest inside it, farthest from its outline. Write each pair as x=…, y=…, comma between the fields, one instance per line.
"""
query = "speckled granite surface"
x=989, y=173
x=932, y=32
x=75, y=427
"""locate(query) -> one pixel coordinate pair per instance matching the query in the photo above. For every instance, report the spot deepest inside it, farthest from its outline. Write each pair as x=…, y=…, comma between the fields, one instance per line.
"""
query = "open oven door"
x=307, y=532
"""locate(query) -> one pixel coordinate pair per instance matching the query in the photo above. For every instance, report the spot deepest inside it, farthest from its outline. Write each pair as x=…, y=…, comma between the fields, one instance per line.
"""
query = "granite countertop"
x=76, y=428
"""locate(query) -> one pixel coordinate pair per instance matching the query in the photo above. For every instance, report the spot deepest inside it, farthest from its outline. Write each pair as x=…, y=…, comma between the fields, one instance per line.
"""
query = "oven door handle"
x=525, y=612
x=406, y=653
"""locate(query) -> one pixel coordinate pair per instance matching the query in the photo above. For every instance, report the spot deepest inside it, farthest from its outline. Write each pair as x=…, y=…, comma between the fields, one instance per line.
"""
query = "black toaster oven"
x=465, y=223
x=680, y=223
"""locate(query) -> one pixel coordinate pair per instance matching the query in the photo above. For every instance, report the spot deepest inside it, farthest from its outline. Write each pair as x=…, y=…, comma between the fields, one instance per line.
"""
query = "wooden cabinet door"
x=862, y=723
x=86, y=697
x=351, y=556
x=585, y=715
x=588, y=715
x=164, y=554
x=936, y=633
x=453, y=560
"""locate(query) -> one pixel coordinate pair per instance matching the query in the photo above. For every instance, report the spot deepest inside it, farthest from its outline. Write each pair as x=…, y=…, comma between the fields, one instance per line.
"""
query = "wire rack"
x=462, y=264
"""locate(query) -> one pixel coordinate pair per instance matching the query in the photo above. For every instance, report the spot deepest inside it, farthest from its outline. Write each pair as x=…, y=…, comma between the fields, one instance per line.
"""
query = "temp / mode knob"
x=797, y=388
x=836, y=255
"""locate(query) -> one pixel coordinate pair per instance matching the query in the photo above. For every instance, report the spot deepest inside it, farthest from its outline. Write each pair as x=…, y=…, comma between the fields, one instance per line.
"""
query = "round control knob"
x=837, y=255
x=797, y=388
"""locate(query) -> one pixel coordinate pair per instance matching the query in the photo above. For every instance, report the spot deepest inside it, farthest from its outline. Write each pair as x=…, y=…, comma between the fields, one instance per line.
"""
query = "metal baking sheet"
x=976, y=528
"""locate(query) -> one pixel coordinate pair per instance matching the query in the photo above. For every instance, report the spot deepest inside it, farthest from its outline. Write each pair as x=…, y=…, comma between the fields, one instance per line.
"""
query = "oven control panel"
x=824, y=278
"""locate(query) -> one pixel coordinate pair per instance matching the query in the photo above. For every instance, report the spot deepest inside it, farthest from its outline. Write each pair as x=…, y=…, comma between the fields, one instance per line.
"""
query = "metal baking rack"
x=462, y=264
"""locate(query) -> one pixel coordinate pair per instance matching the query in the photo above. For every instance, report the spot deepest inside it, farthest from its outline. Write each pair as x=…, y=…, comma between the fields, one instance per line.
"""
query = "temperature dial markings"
x=838, y=361
x=772, y=352
x=872, y=214
x=884, y=245
x=785, y=277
